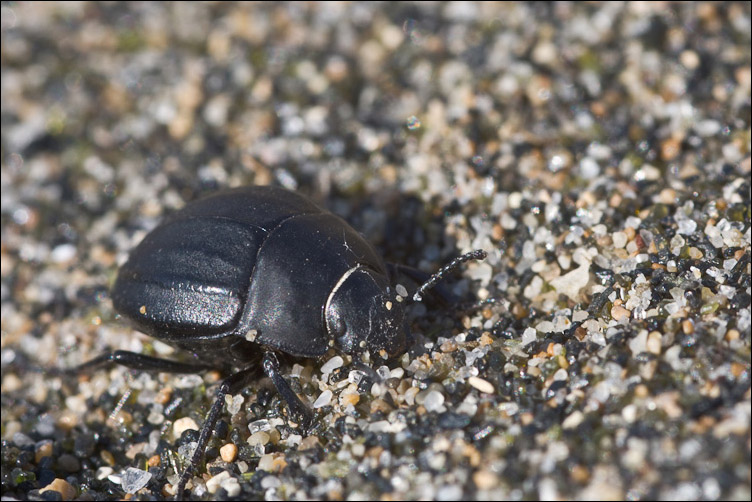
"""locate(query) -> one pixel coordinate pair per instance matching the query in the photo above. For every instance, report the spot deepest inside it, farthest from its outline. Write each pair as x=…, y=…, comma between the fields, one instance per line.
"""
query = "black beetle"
x=243, y=273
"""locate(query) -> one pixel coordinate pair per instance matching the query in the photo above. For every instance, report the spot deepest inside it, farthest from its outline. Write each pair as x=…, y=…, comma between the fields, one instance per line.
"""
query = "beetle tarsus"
x=297, y=408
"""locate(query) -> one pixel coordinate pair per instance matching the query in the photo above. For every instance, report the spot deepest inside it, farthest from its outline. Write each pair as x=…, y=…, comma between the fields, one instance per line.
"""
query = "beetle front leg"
x=297, y=408
x=228, y=386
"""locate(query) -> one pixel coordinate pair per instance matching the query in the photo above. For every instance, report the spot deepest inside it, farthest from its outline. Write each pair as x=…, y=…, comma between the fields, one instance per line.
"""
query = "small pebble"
x=293, y=440
x=732, y=334
x=62, y=487
x=259, y=438
x=11, y=383
x=259, y=425
x=270, y=482
x=620, y=313
x=232, y=487
x=434, y=400
x=561, y=375
x=272, y=462
x=481, y=385
x=485, y=480
x=654, y=342
x=573, y=420
x=690, y=60
x=234, y=403
x=572, y=282
x=108, y=457
x=529, y=336
x=707, y=128
x=134, y=479
x=163, y=396
x=104, y=472
x=69, y=463
x=43, y=449
x=670, y=149
x=21, y=440
x=215, y=482
x=228, y=452
x=579, y=474
x=401, y=290
x=332, y=364
x=183, y=424
x=510, y=408
x=347, y=398
x=63, y=253
x=323, y=400
x=410, y=395
x=688, y=327
x=619, y=239
x=309, y=442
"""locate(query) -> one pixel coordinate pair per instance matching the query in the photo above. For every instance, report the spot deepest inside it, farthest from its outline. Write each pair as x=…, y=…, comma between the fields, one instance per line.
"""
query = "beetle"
x=244, y=274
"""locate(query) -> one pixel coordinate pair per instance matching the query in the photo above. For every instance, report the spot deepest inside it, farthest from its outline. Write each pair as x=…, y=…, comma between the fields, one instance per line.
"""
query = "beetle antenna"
x=478, y=254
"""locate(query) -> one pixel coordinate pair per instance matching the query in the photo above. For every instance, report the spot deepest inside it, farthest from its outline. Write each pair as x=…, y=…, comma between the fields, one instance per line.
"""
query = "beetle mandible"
x=244, y=273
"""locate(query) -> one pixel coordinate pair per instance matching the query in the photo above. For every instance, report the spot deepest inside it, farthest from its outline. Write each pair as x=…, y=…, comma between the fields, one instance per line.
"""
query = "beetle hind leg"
x=136, y=361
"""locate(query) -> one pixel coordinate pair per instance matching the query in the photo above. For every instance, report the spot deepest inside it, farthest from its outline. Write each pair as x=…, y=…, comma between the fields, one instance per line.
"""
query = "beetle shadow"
x=400, y=226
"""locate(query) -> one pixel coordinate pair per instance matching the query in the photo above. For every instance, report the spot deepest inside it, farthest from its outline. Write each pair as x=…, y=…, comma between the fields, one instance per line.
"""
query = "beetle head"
x=362, y=315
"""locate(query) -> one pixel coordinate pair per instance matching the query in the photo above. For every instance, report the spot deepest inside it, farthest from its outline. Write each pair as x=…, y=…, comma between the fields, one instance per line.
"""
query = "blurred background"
x=600, y=152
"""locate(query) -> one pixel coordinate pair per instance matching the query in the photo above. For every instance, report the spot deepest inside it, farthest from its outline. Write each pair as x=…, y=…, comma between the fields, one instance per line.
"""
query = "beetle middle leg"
x=297, y=408
x=228, y=386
